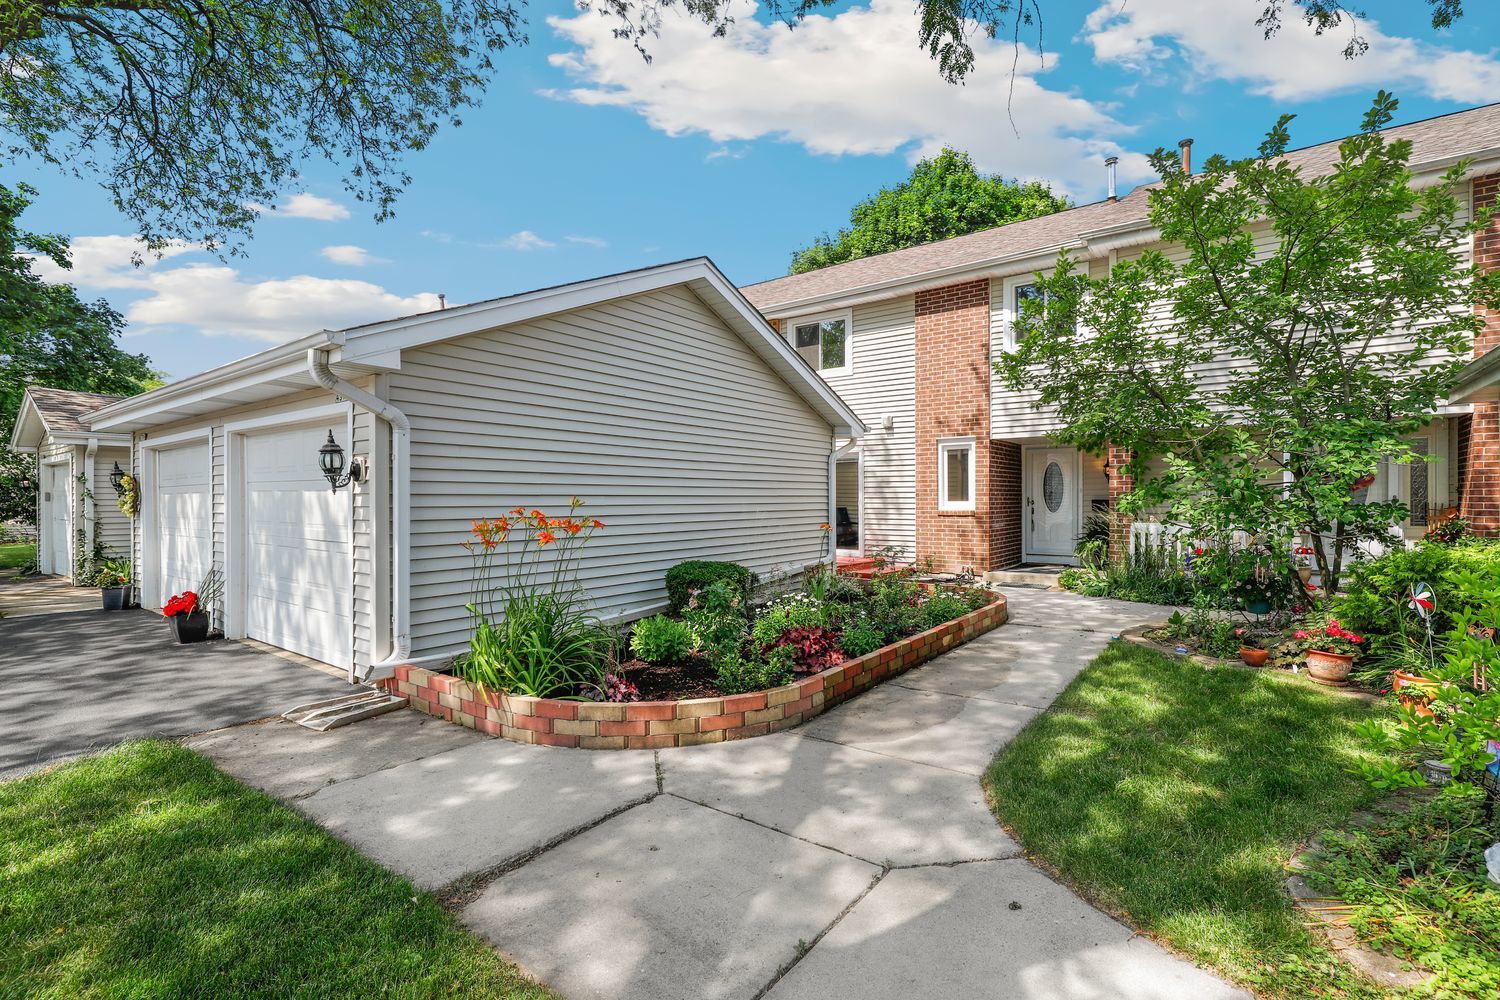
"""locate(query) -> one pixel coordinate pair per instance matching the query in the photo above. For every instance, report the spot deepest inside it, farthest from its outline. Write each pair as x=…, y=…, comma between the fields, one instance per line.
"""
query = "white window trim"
x=945, y=445
x=1008, y=307
x=847, y=315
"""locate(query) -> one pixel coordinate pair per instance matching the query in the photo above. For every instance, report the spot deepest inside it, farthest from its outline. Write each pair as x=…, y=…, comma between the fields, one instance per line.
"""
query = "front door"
x=59, y=545
x=1051, y=507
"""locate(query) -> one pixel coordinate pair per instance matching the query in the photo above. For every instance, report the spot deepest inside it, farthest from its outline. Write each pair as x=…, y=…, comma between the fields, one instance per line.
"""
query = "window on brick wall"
x=823, y=342
x=955, y=458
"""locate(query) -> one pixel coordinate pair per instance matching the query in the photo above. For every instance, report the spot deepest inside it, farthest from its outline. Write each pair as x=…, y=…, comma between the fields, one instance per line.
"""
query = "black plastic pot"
x=113, y=598
x=191, y=627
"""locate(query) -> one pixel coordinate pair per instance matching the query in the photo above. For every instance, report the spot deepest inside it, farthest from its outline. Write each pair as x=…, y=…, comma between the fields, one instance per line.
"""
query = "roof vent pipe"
x=1110, y=162
x=1186, y=146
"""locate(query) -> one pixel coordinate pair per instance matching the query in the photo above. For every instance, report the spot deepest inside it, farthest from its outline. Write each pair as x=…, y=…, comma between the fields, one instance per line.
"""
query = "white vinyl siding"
x=676, y=434
x=112, y=526
x=1013, y=414
x=883, y=383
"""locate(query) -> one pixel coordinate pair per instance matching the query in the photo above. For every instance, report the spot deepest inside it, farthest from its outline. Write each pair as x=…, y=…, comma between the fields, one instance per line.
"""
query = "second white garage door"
x=183, y=548
x=298, y=586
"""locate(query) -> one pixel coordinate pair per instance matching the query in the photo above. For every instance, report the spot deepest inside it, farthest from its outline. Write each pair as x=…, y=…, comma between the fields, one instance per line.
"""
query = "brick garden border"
x=656, y=724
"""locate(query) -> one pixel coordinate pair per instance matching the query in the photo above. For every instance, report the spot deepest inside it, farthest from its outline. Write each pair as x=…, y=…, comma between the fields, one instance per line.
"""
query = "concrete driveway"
x=71, y=683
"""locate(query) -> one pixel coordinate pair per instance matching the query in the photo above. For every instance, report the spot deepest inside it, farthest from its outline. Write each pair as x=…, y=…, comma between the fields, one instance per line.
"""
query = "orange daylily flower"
x=545, y=538
x=825, y=527
x=598, y=523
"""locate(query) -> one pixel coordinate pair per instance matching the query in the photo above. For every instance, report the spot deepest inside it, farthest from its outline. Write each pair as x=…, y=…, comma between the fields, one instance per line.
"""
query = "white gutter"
x=400, y=654
x=89, y=513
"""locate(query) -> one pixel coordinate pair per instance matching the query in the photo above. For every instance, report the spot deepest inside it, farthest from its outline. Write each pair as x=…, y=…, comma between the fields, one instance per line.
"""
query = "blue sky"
x=585, y=159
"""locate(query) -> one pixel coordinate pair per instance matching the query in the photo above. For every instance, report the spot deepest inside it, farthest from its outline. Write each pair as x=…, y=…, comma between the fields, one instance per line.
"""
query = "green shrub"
x=698, y=574
x=739, y=671
x=662, y=639
x=860, y=638
x=894, y=607
x=791, y=611
x=716, y=617
x=1373, y=601
x=941, y=608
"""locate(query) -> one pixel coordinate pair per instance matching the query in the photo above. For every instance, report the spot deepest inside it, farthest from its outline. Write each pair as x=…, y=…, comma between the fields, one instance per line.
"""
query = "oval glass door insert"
x=1052, y=487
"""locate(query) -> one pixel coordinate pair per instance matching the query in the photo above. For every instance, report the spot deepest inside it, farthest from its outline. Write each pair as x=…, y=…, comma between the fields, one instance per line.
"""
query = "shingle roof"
x=62, y=410
x=1453, y=135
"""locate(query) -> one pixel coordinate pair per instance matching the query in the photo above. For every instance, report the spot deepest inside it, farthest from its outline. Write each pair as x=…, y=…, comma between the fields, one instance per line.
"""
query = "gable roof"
x=375, y=347
x=47, y=412
x=1436, y=143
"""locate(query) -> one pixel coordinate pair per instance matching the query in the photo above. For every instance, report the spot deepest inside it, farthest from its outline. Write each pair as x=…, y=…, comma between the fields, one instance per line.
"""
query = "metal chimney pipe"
x=1110, y=161
x=1186, y=146
x=442, y=301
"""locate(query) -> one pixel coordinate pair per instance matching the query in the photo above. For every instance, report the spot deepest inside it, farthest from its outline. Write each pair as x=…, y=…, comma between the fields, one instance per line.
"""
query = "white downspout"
x=317, y=364
x=833, y=504
x=88, y=503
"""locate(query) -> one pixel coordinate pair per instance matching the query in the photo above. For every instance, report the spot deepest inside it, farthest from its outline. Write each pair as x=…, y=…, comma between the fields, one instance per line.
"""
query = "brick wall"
x=953, y=400
x=1120, y=483
x=1481, y=462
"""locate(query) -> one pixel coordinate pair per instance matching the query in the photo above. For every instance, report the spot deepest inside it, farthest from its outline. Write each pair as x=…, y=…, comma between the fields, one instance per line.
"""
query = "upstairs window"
x=823, y=342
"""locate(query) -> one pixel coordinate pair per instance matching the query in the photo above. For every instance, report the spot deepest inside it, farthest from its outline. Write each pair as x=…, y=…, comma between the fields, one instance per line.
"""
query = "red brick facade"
x=1121, y=482
x=953, y=401
x=1480, y=480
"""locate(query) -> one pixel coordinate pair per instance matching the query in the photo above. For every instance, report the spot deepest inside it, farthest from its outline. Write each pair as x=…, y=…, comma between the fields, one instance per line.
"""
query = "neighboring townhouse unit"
x=77, y=515
x=660, y=397
x=960, y=469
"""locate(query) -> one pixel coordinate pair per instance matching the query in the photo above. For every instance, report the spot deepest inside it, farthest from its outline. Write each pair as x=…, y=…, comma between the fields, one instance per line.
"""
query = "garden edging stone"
x=651, y=725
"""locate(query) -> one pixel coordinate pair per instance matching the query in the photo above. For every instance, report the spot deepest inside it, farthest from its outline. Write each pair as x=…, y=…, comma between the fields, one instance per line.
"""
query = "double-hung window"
x=823, y=342
x=1020, y=292
x=955, y=476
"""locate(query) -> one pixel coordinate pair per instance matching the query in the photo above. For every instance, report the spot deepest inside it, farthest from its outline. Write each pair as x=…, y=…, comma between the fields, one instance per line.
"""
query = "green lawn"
x=17, y=555
x=1172, y=796
x=145, y=872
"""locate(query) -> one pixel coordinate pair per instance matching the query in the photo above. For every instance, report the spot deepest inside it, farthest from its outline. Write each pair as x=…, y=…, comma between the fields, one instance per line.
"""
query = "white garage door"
x=298, y=586
x=59, y=531
x=183, y=546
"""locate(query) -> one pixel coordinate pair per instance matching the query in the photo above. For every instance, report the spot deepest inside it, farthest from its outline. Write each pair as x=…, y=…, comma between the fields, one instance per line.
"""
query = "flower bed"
x=691, y=721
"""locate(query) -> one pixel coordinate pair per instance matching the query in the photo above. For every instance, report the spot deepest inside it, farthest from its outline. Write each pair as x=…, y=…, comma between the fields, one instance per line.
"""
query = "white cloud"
x=526, y=240
x=724, y=153
x=219, y=301
x=306, y=206
x=1219, y=40
x=352, y=256
x=853, y=83
x=597, y=242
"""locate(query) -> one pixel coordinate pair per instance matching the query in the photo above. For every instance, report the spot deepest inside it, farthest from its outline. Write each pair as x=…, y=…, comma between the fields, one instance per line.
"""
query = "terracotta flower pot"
x=1329, y=668
x=1410, y=690
x=1254, y=657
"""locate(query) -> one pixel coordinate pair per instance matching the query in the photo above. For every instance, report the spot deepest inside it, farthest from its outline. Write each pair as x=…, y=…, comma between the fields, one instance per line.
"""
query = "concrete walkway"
x=44, y=595
x=853, y=857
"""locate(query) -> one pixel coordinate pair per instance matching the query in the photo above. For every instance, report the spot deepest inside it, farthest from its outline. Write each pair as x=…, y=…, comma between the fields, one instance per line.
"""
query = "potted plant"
x=1252, y=653
x=1304, y=564
x=1330, y=652
x=188, y=612
x=1414, y=691
x=113, y=580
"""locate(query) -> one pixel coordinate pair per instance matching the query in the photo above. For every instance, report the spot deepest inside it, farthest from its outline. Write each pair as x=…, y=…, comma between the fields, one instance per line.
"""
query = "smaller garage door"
x=183, y=548
x=59, y=532
x=298, y=585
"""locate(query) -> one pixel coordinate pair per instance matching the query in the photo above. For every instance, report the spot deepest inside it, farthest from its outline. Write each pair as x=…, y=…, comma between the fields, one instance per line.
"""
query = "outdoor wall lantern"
x=331, y=461
x=117, y=480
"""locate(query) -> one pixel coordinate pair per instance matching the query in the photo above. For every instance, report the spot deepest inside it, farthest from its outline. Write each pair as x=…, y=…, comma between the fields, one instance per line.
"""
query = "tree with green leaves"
x=51, y=337
x=1333, y=312
x=195, y=115
x=944, y=196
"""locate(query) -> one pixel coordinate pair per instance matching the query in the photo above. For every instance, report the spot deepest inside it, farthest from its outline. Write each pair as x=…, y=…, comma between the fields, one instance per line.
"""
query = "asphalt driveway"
x=71, y=683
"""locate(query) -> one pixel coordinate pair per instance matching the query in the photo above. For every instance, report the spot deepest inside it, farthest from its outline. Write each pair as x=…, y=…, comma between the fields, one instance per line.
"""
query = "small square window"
x=956, y=474
x=823, y=344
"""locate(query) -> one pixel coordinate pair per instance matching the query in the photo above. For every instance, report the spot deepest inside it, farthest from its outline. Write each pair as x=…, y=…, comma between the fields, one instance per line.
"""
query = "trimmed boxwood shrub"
x=696, y=574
